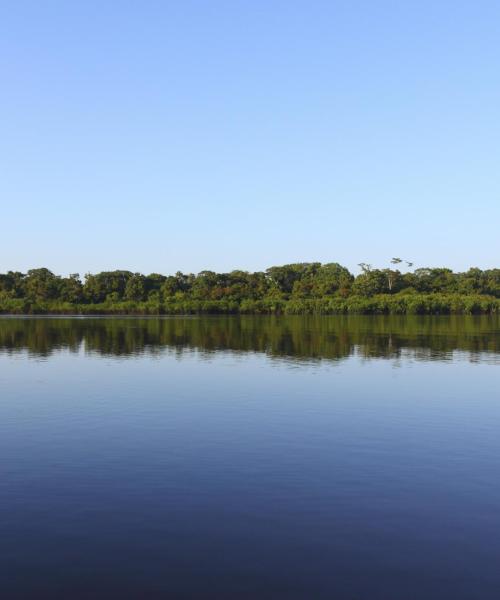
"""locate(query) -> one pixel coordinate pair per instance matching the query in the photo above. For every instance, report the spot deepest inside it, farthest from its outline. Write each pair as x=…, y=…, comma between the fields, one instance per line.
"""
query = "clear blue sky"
x=157, y=136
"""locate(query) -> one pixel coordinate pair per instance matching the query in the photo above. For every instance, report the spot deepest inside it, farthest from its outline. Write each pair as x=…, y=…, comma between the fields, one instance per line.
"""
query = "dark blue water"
x=217, y=458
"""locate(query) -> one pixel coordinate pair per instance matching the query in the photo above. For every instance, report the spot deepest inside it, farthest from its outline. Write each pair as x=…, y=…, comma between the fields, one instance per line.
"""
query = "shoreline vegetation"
x=293, y=289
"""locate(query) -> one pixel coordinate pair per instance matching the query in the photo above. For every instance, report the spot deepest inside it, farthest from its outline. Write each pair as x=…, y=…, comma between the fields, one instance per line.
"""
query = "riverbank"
x=401, y=304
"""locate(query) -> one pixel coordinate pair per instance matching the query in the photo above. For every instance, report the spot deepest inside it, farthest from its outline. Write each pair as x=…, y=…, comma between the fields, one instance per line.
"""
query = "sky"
x=158, y=136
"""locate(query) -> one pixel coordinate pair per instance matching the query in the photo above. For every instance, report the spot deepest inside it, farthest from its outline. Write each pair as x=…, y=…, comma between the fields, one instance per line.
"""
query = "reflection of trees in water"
x=333, y=338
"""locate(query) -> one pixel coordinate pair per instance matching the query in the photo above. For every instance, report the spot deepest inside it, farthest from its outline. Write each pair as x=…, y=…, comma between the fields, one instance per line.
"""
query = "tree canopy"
x=291, y=283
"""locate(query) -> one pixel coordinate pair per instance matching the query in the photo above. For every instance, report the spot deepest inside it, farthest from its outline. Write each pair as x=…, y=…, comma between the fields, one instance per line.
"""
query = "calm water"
x=339, y=458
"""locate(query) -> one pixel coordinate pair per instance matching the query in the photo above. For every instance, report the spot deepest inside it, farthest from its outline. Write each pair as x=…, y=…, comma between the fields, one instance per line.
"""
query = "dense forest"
x=300, y=288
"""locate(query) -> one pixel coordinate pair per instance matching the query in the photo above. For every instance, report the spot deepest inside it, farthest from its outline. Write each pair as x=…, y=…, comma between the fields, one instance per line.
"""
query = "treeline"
x=301, y=288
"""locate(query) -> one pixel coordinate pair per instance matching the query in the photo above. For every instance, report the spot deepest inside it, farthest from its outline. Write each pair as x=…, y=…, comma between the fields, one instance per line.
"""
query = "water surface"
x=334, y=457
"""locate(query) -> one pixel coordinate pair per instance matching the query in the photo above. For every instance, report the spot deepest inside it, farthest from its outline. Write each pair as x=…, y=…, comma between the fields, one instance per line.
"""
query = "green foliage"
x=299, y=288
x=71, y=289
x=135, y=288
x=370, y=282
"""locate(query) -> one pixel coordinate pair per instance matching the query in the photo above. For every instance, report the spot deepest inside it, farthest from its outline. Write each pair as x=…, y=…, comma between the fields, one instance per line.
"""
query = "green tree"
x=135, y=288
x=370, y=282
x=71, y=289
x=286, y=276
x=41, y=284
x=98, y=287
